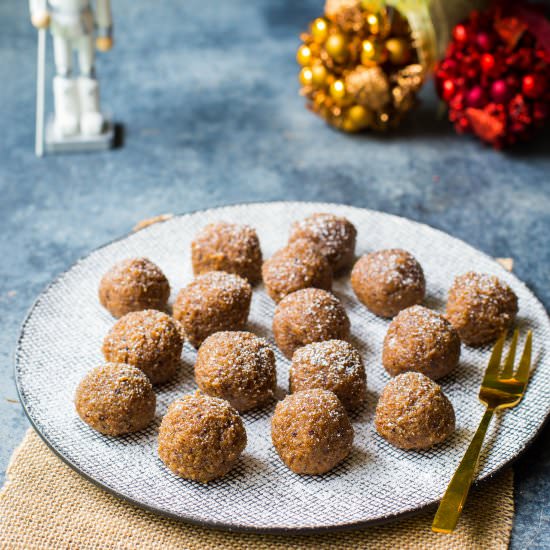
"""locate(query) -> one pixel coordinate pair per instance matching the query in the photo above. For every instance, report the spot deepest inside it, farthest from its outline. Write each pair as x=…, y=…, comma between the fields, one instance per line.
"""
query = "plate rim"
x=233, y=527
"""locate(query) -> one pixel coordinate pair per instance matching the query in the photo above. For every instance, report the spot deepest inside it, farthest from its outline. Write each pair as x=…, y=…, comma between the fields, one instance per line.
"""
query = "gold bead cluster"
x=359, y=65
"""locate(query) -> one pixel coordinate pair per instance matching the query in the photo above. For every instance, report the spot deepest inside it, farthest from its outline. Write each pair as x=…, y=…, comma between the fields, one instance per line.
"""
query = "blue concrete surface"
x=207, y=92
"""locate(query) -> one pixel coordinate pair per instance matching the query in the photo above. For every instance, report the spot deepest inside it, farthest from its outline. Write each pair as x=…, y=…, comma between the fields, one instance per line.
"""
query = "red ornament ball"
x=533, y=85
x=487, y=62
x=448, y=90
x=484, y=41
x=499, y=91
x=495, y=78
x=460, y=34
x=476, y=97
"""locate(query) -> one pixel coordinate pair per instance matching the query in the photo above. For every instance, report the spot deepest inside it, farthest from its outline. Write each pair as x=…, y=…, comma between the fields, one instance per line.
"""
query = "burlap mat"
x=45, y=504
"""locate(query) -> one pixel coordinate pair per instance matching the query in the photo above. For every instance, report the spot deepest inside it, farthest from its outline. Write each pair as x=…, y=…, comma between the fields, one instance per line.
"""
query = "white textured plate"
x=61, y=340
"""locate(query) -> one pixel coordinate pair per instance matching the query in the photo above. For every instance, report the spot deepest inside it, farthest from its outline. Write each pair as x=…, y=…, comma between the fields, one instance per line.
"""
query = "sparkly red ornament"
x=495, y=78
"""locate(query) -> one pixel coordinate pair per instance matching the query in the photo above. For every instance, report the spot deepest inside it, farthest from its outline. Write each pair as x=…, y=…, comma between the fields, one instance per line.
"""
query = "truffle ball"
x=228, y=247
x=311, y=431
x=334, y=236
x=333, y=365
x=213, y=302
x=413, y=412
x=421, y=340
x=306, y=316
x=481, y=307
x=116, y=399
x=238, y=367
x=296, y=266
x=201, y=437
x=149, y=340
x=133, y=285
x=388, y=281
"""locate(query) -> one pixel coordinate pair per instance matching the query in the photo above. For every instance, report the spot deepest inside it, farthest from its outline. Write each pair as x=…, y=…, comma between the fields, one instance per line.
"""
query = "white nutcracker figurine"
x=78, y=122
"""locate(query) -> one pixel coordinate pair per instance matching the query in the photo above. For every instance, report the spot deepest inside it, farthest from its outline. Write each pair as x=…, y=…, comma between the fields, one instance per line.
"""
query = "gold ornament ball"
x=303, y=56
x=372, y=52
x=338, y=90
x=398, y=50
x=319, y=30
x=359, y=116
x=306, y=76
x=374, y=23
x=319, y=74
x=336, y=46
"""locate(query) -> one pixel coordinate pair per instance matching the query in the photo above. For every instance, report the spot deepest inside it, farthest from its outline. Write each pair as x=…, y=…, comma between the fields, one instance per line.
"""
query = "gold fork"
x=499, y=390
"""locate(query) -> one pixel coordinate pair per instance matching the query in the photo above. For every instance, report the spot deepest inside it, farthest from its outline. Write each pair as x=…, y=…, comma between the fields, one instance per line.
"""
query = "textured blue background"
x=207, y=92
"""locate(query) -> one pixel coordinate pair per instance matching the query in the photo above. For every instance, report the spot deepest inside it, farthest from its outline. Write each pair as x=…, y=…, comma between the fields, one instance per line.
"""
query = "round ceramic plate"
x=61, y=341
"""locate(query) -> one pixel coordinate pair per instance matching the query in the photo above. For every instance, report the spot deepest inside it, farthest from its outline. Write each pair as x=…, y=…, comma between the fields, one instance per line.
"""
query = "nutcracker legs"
x=76, y=106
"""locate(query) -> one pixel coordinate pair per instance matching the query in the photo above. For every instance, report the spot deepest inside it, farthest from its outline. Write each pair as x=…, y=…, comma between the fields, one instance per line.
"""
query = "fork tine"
x=522, y=373
x=494, y=362
x=510, y=358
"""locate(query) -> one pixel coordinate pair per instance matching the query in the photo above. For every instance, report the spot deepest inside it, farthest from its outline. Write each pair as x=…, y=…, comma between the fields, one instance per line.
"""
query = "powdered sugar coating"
x=481, y=307
x=311, y=431
x=413, y=412
x=213, y=302
x=149, y=340
x=237, y=366
x=115, y=399
x=388, y=281
x=296, y=266
x=334, y=365
x=230, y=247
x=421, y=340
x=132, y=285
x=334, y=236
x=306, y=316
x=201, y=437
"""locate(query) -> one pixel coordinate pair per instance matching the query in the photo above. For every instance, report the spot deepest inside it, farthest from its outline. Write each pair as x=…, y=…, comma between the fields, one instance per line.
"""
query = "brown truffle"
x=306, y=316
x=133, y=285
x=296, y=266
x=116, y=399
x=481, y=307
x=228, y=247
x=238, y=367
x=421, y=340
x=413, y=412
x=334, y=236
x=201, y=437
x=311, y=431
x=213, y=302
x=149, y=340
x=333, y=365
x=388, y=281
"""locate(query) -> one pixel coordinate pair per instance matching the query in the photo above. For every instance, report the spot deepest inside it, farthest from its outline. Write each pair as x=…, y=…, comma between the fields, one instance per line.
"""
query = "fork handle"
x=453, y=500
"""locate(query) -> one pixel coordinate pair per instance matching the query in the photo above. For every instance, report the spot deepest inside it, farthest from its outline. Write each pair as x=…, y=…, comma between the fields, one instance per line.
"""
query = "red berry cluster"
x=495, y=78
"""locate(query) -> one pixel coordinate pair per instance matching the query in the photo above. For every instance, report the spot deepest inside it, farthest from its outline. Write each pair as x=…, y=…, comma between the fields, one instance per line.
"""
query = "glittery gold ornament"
x=369, y=87
x=347, y=14
x=359, y=66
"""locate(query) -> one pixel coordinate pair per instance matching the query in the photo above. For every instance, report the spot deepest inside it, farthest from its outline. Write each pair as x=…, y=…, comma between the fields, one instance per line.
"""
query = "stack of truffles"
x=203, y=434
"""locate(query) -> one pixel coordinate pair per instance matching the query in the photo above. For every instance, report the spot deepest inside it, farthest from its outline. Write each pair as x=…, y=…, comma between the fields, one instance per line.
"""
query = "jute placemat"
x=45, y=504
